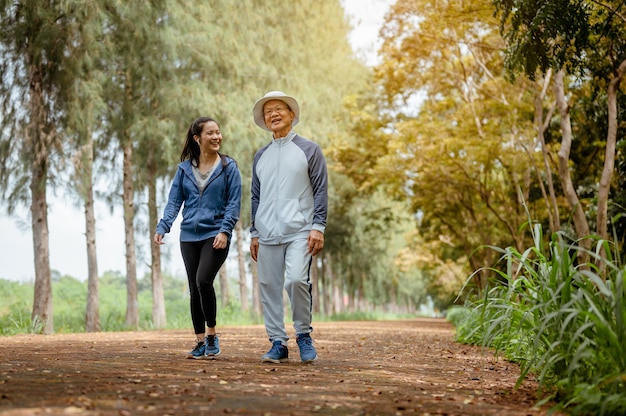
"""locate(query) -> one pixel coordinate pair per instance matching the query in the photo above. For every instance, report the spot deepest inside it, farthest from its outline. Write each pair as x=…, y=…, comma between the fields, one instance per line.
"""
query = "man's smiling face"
x=278, y=117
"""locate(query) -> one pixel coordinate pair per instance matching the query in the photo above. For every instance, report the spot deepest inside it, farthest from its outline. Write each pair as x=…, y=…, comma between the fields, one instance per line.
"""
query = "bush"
x=15, y=307
x=560, y=319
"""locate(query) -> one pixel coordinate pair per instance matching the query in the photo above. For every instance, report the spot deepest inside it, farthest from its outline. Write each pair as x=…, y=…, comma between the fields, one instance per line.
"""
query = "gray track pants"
x=285, y=265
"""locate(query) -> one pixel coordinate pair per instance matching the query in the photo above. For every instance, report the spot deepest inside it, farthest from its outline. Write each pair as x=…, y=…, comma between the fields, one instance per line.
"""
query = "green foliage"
x=70, y=297
x=32, y=64
x=462, y=318
x=70, y=302
x=365, y=251
x=15, y=307
x=560, y=319
x=543, y=34
x=366, y=316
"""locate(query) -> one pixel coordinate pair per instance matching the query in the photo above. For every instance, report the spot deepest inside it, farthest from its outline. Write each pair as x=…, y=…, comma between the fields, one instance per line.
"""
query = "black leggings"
x=202, y=263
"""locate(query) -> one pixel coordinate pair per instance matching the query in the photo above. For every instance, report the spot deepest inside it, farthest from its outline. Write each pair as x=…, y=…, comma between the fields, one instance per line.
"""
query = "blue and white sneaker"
x=308, y=354
x=277, y=354
x=198, y=352
x=211, y=346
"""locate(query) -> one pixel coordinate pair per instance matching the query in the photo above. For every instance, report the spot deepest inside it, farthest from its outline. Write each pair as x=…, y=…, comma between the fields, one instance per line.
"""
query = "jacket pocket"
x=292, y=213
x=206, y=220
x=263, y=221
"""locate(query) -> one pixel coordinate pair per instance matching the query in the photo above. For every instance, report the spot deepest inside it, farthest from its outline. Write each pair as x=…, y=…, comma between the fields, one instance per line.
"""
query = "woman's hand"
x=220, y=241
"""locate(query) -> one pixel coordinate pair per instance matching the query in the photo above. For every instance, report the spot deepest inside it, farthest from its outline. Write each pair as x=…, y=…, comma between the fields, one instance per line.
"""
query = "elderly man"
x=289, y=206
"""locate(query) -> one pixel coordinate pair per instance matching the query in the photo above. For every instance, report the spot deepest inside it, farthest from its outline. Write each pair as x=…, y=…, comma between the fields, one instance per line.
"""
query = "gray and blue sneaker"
x=277, y=354
x=211, y=346
x=308, y=354
x=198, y=351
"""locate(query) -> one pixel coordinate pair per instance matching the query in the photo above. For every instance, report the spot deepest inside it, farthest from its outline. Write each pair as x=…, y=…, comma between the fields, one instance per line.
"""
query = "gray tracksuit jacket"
x=289, y=190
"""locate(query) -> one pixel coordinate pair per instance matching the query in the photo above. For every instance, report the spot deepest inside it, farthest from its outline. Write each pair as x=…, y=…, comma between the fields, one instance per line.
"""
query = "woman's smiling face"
x=210, y=138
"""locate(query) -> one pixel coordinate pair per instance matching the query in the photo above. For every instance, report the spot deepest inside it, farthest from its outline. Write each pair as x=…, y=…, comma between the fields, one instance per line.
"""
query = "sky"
x=66, y=221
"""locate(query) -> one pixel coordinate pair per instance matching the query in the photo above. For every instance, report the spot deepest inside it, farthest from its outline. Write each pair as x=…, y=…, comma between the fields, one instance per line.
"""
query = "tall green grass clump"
x=15, y=307
x=70, y=299
x=560, y=318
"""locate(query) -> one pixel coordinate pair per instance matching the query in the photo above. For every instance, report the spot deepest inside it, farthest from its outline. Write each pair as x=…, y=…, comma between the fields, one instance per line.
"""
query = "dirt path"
x=365, y=368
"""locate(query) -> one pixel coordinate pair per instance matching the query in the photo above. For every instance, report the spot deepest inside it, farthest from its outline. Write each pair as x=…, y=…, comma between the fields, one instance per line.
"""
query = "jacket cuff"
x=319, y=227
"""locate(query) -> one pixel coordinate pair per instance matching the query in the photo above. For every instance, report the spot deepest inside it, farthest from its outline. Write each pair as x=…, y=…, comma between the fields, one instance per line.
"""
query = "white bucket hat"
x=257, y=110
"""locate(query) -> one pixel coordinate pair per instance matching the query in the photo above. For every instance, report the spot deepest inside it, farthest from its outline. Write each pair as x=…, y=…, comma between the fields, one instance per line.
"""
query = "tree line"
x=480, y=118
x=108, y=89
x=520, y=120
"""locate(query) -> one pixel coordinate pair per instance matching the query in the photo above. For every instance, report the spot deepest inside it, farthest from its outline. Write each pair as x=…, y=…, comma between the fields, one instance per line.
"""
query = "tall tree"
x=34, y=41
x=133, y=37
x=80, y=120
x=224, y=288
x=173, y=97
x=83, y=179
x=541, y=124
x=580, y=221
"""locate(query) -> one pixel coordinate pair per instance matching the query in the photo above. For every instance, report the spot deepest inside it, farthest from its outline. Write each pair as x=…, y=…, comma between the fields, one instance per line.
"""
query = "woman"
x=209, y=185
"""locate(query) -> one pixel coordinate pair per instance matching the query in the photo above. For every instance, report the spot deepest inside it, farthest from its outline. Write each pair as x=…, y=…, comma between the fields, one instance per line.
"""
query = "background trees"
x=474, y=149
x=458, y=140
x=141, y=73
x=472, y=124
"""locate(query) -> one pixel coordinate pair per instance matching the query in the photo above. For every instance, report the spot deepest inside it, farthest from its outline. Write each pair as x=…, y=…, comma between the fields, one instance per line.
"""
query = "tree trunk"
x=257, y=307
x=314, y=277
x=224, y=290
x=337, y=303
x=350, y=295
x=132, y=303
x=159, y=319
x=609, y=157
x=322, y=306
x=42, y=302
x=84, y=170
x=542, y=125
x=580, y=222
x=330, y=286
x=39, y=141
x=241, y=261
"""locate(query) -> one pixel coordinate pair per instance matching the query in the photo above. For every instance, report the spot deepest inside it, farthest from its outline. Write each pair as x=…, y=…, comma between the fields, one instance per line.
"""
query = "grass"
x=69, y=304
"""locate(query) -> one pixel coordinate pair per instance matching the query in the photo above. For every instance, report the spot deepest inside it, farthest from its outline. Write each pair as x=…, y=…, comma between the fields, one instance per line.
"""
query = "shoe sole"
x=270, y=360
x=193, y=357
x=309, y=361
x=211, y=356
x=203, y=357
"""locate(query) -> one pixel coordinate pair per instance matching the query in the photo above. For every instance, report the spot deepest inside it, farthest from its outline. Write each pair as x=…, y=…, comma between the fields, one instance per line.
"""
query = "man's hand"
x=254, y=248
x=316, y=242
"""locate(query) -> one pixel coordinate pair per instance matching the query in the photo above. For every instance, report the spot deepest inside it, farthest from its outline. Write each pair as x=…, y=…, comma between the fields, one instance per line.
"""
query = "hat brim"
x=257, y=110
